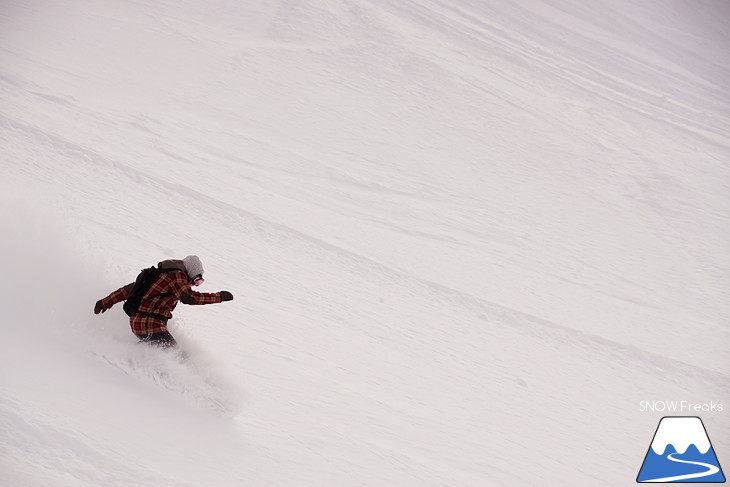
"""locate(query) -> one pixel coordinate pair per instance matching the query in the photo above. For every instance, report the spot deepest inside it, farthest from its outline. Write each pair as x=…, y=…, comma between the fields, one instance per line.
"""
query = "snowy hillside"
x=465, y=239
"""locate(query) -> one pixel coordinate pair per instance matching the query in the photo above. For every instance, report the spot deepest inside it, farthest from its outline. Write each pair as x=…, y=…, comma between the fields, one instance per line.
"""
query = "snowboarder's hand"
x=226, y=296
x=99, y=308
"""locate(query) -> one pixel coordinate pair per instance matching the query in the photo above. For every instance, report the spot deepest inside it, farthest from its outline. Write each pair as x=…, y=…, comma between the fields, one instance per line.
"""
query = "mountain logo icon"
x=681, y=452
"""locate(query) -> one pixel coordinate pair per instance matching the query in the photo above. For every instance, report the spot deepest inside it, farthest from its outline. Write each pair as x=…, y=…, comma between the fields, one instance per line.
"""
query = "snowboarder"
x=171, y=282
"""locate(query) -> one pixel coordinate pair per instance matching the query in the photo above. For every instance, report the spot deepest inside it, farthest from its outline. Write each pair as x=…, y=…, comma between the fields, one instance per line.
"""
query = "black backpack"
x=141, y=286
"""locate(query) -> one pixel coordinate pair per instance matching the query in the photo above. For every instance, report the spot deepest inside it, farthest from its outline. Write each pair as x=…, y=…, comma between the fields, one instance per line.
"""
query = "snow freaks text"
x=680, y=407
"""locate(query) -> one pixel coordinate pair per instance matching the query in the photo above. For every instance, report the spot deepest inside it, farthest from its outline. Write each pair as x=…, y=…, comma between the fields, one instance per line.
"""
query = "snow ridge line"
x=665, y=107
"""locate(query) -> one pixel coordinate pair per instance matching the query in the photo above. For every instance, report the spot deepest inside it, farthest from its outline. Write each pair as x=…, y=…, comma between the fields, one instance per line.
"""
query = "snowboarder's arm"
x=194, y=297
x=119, y=295
x=182, y=289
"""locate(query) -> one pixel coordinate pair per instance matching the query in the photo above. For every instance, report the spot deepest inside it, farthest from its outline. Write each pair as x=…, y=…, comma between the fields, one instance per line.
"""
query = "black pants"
x=162, y=339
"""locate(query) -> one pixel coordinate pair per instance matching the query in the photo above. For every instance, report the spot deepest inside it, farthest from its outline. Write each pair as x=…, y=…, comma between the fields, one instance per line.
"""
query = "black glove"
x=226, y=296
x=99, y=308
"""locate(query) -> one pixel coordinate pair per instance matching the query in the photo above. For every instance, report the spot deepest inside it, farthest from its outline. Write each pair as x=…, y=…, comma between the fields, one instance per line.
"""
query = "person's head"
x=194, y=269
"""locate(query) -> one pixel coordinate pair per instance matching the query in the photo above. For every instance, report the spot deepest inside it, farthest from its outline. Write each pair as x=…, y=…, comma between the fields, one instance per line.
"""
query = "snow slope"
x=466, y=239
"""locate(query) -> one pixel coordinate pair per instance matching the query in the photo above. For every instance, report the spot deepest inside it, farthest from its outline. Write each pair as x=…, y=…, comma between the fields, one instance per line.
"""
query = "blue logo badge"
x=681, y=452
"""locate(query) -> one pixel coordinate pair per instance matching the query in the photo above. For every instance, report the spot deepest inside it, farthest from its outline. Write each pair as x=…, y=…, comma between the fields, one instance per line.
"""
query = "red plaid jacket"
x=159, y=301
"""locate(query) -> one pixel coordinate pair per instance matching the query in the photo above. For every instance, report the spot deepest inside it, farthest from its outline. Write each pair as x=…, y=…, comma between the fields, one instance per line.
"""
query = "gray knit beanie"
x=193, y=266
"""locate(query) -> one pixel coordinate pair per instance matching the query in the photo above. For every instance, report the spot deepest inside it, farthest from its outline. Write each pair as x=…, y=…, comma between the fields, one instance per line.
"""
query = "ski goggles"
x=198, y=280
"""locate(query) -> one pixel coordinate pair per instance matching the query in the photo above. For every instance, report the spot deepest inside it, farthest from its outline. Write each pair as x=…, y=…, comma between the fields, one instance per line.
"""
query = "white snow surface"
x=465, y=239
